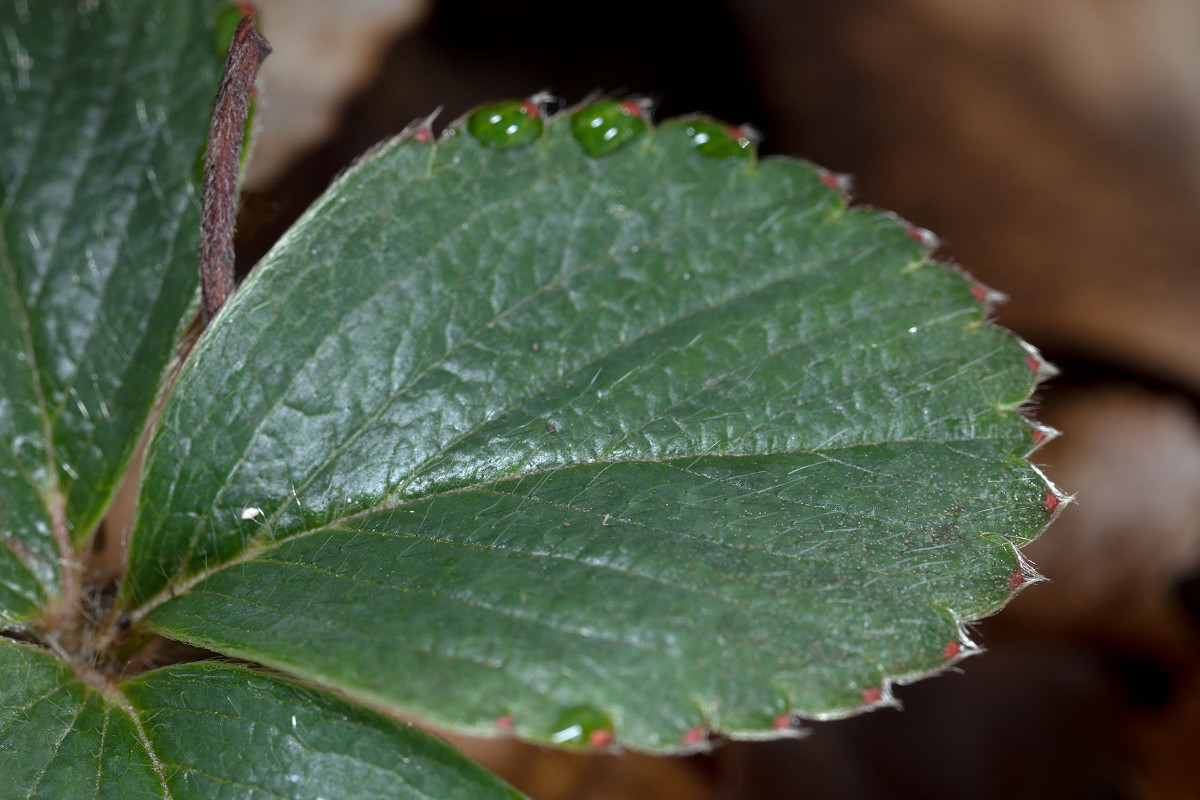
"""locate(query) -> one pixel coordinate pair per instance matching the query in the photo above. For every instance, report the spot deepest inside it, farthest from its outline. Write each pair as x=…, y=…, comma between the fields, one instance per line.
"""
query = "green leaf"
x=60, y=739
x=223, y=731
x=203, y=731
x=105, y=109
x=641, y=444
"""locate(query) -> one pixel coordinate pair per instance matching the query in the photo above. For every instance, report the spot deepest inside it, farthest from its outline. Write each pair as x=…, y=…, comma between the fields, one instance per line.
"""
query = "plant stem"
x=222, y=162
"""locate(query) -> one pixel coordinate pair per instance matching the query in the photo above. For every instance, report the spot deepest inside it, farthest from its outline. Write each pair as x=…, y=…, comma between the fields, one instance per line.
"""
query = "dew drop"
x=582, y=725
x=606, y=126
x=506, y=123
x=719, y=140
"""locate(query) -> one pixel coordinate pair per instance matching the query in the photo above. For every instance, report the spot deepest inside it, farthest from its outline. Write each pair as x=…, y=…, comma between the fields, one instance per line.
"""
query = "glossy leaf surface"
x=660, y=438
x=222, y=731
x=104, y=113
x=204, y=731
x=59, y=739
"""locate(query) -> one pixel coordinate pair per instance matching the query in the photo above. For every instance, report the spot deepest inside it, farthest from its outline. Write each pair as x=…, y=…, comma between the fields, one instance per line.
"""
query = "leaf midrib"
x=47, y=433
x=144, y=320
x=415, y=380
x=254, y=552
x=55, y=493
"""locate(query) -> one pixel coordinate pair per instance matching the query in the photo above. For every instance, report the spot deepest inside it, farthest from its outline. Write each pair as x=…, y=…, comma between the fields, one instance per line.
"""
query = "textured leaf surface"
x=60, y=739
x=104, y=114
x=222, y=731
x=204, y=731
x=652, y=442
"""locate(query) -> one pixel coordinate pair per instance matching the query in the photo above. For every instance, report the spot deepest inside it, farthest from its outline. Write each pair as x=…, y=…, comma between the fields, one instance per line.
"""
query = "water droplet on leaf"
x=606, y=126
x=582, y=724
x=506, y=123
x=719, y=140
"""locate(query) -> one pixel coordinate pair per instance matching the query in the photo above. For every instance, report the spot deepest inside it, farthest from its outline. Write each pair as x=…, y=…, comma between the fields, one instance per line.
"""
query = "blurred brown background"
x=1055, y=149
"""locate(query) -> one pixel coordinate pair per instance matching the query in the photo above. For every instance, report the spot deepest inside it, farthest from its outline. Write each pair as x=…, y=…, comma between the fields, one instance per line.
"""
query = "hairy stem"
x=222, y=162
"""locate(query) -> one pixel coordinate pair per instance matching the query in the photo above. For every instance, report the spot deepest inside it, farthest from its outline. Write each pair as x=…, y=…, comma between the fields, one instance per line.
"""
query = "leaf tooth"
x=987, y=295
x=421, y=130
x=1042, y=369
x=600, y=738
x=1041, y=434
x=924, y=237
x=880, y=696
x=838, y=181
x=695, y=738
x=1024, y=576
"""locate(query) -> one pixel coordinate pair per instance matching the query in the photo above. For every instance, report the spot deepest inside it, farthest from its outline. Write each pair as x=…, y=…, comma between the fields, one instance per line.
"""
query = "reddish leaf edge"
x=787, y=724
